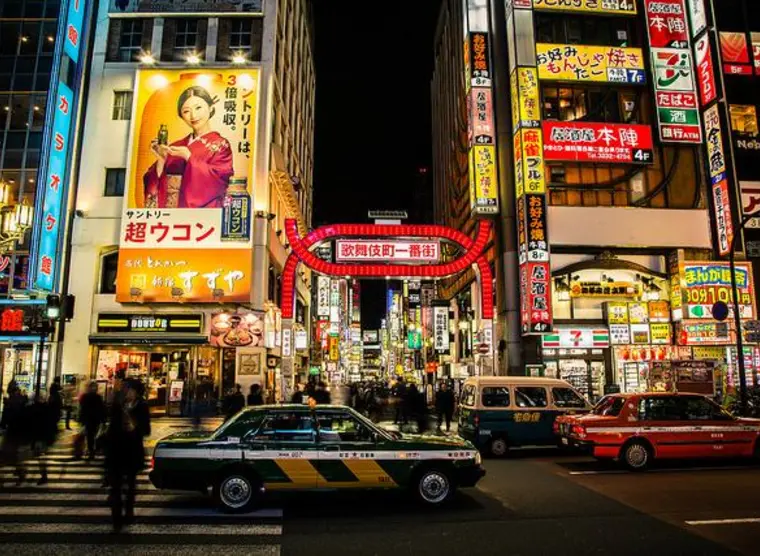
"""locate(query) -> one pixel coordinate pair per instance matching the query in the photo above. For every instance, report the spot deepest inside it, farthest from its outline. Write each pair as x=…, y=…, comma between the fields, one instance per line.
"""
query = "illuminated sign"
x=576, y=338
x=704, y=333
x=383, y=250
x=535, y=298
x=606, y=64
x=734, y=48
x=719, y=179
x=708, y=89
x=607, y=7
x=484, y=196
x=605, y=289
x=333, y=349
x=185, y=227
x=323, y=296
x=597, y=142
x=441, y=328
x=697, y=16
x=74, y=28
x=136, y=323
x=705, y=283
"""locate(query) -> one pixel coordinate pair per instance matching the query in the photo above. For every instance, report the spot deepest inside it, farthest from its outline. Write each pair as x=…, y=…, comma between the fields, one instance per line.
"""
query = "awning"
x=148, y=339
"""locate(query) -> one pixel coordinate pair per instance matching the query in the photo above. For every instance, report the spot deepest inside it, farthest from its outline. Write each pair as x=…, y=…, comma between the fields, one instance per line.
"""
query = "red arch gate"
x=472, y=255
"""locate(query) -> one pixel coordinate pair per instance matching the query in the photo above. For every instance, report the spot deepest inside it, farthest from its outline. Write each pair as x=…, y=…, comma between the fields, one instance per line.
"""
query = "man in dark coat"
x=255, y=397
x=14, y=423
x=444, y=405
x=233, y=402
x=92, y=413
x=322, y=395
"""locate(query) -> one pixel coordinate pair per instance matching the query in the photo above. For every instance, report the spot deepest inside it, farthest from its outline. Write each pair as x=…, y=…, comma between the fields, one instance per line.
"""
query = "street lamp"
x=737, y=316
x=15, y=219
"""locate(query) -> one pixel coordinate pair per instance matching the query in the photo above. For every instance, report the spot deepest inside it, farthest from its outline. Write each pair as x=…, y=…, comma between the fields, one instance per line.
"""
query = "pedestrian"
x=298, y=394
x=401, y=402
x=43, y=431
x=13, y=422
x=92, y=414
x=125, y=451
x=55, y=401
x=69, y=395
x=255, y=397
x=233, y=402
x=444, y=405
x=322, y=395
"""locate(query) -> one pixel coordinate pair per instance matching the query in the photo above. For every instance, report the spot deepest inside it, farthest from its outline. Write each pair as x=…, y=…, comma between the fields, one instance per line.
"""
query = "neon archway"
x=472, y=255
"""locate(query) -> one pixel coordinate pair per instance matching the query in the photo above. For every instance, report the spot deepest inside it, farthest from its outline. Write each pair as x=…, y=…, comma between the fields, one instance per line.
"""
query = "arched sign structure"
x=472, y=255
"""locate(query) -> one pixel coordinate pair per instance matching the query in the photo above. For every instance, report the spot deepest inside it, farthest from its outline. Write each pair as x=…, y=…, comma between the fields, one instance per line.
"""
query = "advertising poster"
x=186, y=221
x=610, y=7
x=598, y=142
x=705, y=283
x=605, y=64
x=241, y=329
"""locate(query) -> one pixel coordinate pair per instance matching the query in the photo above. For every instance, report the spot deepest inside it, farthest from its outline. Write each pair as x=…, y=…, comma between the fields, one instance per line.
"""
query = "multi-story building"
x=198, y=144
x=43, y=44
x=609, y=229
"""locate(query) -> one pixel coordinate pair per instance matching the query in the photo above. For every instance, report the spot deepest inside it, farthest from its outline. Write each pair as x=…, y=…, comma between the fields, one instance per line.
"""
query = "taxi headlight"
x=478, y=458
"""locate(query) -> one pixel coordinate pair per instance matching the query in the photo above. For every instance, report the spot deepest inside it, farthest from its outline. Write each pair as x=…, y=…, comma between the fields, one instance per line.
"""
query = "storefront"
x=579, y=355
x=20, y=344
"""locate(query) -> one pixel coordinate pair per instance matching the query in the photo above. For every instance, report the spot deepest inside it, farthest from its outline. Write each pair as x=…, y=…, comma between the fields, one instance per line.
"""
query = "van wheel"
x=498, y=447
x=236, y=492
x=636, y=456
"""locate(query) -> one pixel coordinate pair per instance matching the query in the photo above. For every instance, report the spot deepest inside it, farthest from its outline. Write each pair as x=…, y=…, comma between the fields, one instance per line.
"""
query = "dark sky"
x=374, y=63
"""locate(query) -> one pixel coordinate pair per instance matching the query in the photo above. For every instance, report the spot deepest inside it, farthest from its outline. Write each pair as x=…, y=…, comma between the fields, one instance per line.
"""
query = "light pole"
x=737, y=315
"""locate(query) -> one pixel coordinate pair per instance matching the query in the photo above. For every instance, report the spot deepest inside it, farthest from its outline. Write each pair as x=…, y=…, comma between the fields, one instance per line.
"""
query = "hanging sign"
x=598, y=142
x=605, y=64
x=323, y=296
x=573, y=338
x=441, y=328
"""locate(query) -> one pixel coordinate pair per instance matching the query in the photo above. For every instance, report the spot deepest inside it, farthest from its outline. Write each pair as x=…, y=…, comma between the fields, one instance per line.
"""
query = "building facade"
x=619, y=224
x=198, y=143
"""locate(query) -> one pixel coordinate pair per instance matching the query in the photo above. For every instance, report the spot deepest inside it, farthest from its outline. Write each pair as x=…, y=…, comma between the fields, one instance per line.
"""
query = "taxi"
x=636, y=429
x=324, y=447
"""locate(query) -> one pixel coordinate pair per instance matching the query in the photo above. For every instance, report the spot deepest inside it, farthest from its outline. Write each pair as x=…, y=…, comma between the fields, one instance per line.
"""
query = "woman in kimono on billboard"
x=192, y=172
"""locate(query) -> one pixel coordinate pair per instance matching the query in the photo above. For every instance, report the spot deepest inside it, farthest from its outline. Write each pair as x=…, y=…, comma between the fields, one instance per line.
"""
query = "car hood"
x=185, y=438
x=432, y=442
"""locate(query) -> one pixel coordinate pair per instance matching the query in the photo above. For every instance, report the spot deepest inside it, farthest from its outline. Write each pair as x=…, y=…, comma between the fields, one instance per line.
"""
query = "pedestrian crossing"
x=70, y=514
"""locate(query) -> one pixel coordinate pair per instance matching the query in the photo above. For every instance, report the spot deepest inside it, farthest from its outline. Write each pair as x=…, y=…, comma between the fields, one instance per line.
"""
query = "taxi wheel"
x=636, y=456
x=498, y=447
x=235, y=492
x=434, y=486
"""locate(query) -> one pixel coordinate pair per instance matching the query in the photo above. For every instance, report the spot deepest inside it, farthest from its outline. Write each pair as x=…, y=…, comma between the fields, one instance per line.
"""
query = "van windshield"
x=609, y=405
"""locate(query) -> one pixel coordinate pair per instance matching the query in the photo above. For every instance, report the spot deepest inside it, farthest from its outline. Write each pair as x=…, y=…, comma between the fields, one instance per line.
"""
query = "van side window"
x=567, y=397
x=468, y=395
x=495, y=396
x=531, y=396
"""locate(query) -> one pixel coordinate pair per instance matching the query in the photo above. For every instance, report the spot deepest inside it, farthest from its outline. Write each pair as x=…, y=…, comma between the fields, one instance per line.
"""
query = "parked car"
x=636, y=429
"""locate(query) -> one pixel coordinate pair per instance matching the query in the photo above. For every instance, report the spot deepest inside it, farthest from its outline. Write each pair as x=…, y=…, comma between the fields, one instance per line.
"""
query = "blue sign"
x=52, y=208
x=74, y=25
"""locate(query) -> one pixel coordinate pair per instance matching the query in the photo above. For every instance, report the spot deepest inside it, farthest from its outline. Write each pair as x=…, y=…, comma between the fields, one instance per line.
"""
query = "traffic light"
x=53, y=309
x=68, y=307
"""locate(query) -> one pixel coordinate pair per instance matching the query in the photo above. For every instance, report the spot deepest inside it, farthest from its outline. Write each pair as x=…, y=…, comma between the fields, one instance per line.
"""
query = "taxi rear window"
x=611, y=406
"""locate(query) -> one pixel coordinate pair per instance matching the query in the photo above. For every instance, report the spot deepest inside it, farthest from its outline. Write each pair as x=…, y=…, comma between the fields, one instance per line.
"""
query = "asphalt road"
x=530, y=503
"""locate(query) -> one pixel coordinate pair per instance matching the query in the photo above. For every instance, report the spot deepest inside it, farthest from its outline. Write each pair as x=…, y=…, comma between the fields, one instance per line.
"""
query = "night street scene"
x=337, y=278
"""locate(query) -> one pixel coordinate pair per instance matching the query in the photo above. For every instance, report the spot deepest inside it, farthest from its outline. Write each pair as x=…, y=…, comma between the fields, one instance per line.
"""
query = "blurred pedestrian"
x=298, y=394
x=43, y=431
x=55, y=400
x=69, y=395
x=322, y=395
x=13, y=422
x=401, y=402
x=233, y=402
x=125, y=452
x=444, y=405
x=417, y=407
x=92, y=414
x=255, y=396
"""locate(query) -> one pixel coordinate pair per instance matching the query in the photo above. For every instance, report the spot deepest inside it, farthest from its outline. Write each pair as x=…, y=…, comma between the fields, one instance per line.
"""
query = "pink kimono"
x=204, y=175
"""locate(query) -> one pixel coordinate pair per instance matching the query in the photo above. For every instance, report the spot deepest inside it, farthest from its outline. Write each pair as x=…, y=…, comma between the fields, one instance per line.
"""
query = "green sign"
x=685, y=116
x=414, y=339
x=314, y=370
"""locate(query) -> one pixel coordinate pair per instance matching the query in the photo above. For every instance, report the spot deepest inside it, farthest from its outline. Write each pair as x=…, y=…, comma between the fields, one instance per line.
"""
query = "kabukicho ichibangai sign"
x=186, y=222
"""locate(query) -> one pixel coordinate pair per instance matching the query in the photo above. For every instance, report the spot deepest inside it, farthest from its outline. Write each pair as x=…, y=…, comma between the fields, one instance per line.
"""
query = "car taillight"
x=152, y=462
x=579, y=430
x=476, y=420
x=555, y=427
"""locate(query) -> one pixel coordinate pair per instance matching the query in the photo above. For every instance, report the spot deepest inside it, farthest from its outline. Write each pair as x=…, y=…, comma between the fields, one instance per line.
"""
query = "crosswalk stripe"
x=144, y=529
x=96, y=496
x=205, y=512
x=150, y=549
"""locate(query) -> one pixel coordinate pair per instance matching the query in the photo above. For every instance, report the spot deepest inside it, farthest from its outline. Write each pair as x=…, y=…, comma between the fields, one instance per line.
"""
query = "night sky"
x=374, y=63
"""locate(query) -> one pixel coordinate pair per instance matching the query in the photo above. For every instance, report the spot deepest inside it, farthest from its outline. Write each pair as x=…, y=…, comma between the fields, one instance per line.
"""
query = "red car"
x=635, y=429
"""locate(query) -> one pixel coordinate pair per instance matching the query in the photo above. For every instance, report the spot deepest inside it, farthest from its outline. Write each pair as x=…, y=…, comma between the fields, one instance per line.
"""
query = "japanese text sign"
x=607, y=7
x=323, y=296
x=596, y=142
x=480, y=60
x=74, y=28
x=535, y=298
x=387, y=251
x=441, y=328
x=481, y=123
x=186, y=222
x=483, y=181
x=708, y=89
x=535, y=228
x=716, y=159
x=697, y=16
x=53, y=203
x=607, y=64
x=534, y=173
x=705, y=283
x=666, y=20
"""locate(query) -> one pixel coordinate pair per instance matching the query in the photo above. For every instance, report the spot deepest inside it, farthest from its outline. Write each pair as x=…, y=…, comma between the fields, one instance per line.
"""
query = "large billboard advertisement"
x=186, y=221
x=605, y=64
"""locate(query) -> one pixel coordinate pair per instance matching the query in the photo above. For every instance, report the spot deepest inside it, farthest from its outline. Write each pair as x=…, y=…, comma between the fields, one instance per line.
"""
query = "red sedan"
x=638, y=428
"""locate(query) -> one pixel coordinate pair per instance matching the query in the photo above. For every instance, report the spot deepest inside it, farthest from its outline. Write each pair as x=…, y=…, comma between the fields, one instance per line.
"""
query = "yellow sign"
x=518, y=154
x=534, y=175
x=660, y=333
x=186, y=224
x=622, y=7
x=530, y=106
x=605, y=289
x=515, y=101
x=609, y=64
x=483, y=180
x=333, y=348
x=709, y=353
x=617, y=313
x=532, y=417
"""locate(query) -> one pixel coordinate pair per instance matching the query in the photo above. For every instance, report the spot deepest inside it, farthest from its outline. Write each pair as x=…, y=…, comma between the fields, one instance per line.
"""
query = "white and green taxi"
x=301, y=448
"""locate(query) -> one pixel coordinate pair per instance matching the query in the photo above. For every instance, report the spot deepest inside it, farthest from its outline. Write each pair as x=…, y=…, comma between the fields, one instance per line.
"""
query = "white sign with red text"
x=411, y=251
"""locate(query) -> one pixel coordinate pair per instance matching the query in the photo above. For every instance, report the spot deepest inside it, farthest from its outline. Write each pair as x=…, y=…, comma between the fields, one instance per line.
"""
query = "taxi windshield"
x=609, y=406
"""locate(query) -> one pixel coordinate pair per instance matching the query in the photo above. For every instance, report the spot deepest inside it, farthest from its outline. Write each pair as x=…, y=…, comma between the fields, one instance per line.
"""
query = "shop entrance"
x=375, y=262
x=585, y=369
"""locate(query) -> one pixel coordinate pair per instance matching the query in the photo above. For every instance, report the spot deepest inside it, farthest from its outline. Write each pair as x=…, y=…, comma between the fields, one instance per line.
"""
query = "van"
x=501, y=412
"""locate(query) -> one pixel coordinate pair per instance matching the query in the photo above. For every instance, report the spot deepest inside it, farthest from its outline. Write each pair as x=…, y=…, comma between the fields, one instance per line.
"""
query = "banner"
x=441, y=328
x=186, y=222
x=598, y=142
x=606, y=64
x=719, y=179
x=607, y=7
x=323, y=296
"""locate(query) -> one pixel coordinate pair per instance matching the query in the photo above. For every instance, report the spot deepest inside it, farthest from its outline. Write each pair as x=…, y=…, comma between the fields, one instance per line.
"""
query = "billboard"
x=605, y=64
x=186, y=221
x=598, y=142
x=705, y=283
x=184, y=6
x=606, y=7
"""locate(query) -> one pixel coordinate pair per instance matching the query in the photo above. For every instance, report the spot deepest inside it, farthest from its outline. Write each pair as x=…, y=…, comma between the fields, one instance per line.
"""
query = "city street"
x=532, y=502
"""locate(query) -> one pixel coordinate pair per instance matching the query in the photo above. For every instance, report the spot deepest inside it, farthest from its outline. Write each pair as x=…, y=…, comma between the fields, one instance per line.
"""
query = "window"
x=609, y=405
x=240, y=425
x=744, y=119
x=589, y=103
x=287, y=427
x=115, y=182
x=468, y=395
x=577, y=29
x=109, y=264
x=240, y=35
x=495, y=396
x=130, y=39
x=531, y=396
x=660, y=408
x=342, y=427
x=185, y=38
x=122, y=105
x=567, y=397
